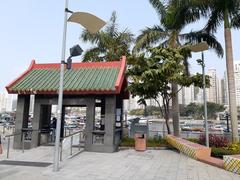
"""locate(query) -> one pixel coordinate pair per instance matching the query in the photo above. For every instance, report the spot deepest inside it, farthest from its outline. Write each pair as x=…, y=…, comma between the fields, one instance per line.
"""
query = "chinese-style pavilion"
x=87, y=84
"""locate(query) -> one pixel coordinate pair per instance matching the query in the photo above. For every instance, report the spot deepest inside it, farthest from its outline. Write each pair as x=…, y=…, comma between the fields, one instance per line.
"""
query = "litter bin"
x=140, y=142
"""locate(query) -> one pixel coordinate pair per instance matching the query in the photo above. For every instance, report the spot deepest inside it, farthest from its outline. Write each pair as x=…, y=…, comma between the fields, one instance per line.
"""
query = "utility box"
x=140, y=141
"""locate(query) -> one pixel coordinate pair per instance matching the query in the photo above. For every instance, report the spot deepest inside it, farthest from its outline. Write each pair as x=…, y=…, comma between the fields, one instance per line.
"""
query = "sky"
x=32, y=29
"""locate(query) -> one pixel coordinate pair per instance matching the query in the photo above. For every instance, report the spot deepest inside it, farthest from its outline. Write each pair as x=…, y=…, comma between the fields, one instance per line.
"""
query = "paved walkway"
x=126, y=164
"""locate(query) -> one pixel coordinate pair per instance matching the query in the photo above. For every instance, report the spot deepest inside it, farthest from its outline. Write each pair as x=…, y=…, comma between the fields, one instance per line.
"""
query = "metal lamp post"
x=202, y=64
x=200, y=47
x=93, y=24
x=227, y=116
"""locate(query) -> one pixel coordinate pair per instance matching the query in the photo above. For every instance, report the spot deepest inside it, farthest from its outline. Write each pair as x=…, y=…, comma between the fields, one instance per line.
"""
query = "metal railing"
x=9, y=141
x=25, y=135
x=70, y=138
x=7, y=129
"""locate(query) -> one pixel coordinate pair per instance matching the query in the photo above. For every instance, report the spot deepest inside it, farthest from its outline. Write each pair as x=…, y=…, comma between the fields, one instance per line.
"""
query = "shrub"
x=194, y=140
x=156, y=142
x=214, y=141
x=129, y=142
x=231, y=149
x=151, y=142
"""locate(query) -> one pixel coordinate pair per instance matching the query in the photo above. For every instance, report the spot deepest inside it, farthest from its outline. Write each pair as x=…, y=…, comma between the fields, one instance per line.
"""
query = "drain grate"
x=24, y=163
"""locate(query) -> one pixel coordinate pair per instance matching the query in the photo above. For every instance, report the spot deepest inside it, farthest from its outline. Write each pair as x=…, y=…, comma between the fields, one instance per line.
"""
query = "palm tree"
x=109, y=44
x=228, y=13
x=173, y=20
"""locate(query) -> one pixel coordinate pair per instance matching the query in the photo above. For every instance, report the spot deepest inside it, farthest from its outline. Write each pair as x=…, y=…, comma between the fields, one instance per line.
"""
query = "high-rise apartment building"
x=237, y=81
x=7, y=102
x=225, y=96
x=186, y=95
x=212, y=92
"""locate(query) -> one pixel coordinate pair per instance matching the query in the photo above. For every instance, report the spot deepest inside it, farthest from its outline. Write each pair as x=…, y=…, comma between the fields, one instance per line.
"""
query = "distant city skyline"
x=33, y=30
x=8, y=102
x=237, y=81
x=217, y=93
x=211, y=92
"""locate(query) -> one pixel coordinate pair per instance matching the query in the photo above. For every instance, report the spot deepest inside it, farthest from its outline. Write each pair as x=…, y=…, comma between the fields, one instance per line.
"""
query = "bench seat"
x=232, y=163
x=193, y=150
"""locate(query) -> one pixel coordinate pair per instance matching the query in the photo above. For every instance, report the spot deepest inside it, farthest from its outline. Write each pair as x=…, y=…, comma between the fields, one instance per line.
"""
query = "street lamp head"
x=76, y=51
x=92, y=23
x=199, y=61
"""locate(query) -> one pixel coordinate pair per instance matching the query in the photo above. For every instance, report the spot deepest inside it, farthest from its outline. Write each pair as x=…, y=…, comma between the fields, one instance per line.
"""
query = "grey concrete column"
x=90, y=116
x=110, y=115
x=22, y=115
x=37, y=116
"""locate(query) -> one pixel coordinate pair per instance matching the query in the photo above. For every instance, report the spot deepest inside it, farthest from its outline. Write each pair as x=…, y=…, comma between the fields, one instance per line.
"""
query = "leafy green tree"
x=193, y=110
x=214, y=108
x=152, y=77
x=138, y=112
x=173, y=19
x=197, y=110
x=149, y=111
x=153, y=111
x=109, y=44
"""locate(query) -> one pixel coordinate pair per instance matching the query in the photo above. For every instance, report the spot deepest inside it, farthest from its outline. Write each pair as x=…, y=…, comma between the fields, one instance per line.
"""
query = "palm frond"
x=201, y=6
x=125, y=37
x=93, y=55
x=215, y=20
x=149, y=36
x=235, y=23
x=112, y=26
x=160, y=7
x=109, y=44
x=86, y=36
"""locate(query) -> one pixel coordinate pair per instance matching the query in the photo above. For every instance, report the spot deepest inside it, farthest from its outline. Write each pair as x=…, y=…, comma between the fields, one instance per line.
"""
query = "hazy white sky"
x=32, y=29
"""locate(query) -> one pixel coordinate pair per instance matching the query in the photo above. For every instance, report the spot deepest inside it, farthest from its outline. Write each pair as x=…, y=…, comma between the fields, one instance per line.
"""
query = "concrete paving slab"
x=122, y=165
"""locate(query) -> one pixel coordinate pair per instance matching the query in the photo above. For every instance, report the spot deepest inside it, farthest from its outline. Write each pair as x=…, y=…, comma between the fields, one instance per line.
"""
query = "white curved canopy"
x=202, y=46
x=89, y=21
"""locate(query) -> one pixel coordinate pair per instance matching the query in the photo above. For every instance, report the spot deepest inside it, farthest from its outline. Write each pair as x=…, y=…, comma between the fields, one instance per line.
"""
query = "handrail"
x=14, y=134
x=72, y=134
x=71, y=142
x=26, y=130
x=30, y=129
x=23, y=134
x=8, y=145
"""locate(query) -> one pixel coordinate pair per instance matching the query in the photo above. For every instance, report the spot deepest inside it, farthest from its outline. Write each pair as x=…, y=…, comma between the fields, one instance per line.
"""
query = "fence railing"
x=188, y=134
x=70, y=141
x=7, y=129
x=9, y=141
x=25, y=135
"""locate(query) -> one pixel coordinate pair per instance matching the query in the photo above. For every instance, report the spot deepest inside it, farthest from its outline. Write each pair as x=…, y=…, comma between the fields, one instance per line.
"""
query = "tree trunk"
x=231, y=84
x=175, y=110
x=167, y=124
x=166, y=113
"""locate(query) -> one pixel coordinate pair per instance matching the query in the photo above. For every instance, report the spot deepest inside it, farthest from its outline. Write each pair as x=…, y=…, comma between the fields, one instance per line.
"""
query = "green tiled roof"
x=82, y=79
